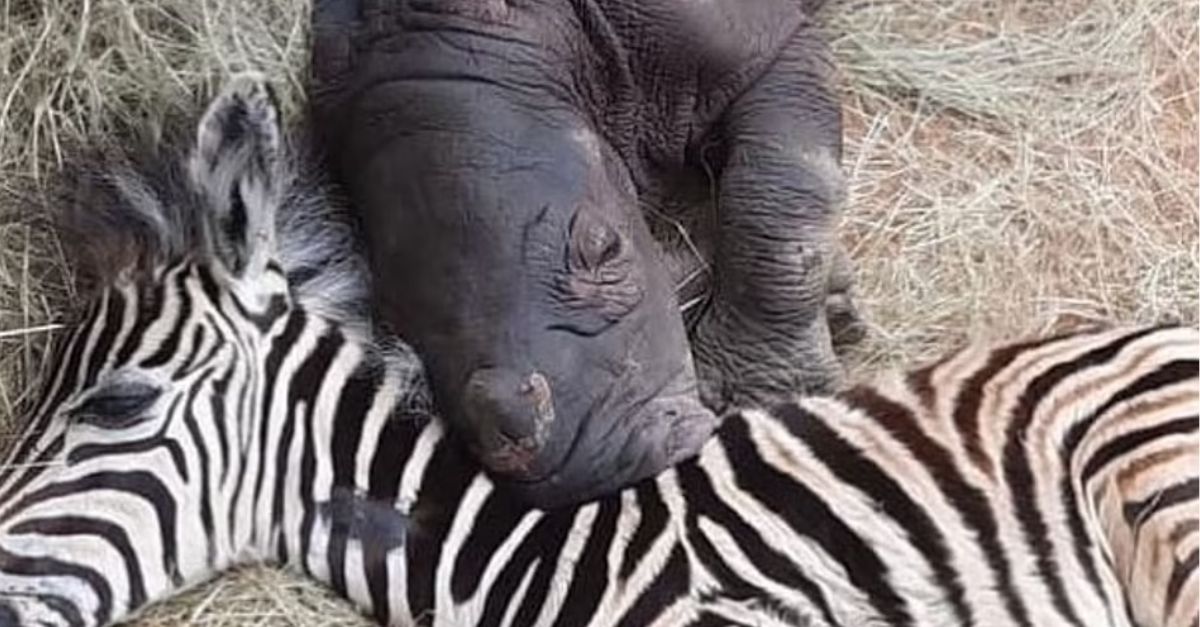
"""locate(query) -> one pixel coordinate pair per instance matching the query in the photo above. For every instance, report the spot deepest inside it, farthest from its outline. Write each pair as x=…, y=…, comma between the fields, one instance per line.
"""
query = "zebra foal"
x=222, y=401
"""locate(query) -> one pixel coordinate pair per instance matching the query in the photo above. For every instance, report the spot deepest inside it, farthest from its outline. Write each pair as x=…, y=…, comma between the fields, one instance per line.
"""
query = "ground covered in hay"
x=1014, y=166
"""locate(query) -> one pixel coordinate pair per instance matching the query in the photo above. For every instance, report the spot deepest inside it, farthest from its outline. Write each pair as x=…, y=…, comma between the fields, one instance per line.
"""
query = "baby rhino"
x=524, y=170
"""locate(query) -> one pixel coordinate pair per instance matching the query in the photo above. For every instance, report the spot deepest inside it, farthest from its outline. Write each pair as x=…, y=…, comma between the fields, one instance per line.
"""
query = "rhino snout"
x=511, y=414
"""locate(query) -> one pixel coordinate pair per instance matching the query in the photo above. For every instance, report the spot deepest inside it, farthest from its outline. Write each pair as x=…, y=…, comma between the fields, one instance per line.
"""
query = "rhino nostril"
x=510, y=416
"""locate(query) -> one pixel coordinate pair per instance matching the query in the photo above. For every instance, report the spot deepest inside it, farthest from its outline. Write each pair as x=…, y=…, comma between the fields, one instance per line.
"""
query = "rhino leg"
x=780, y=280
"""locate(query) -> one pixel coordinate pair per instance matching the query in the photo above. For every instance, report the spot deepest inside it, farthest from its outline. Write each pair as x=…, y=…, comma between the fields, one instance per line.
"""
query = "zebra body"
x=227, y=407
x=867, y=508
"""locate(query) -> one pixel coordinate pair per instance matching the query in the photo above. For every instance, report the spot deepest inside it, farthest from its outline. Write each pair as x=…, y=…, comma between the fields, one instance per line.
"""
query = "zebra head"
x=125, y=483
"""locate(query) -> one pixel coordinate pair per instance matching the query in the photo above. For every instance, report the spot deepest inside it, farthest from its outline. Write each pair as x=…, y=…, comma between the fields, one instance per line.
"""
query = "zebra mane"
x=129, y=211
x=131, y=207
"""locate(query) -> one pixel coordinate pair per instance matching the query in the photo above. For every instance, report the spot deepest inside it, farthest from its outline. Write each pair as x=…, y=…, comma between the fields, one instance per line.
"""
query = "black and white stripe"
x=867, y=508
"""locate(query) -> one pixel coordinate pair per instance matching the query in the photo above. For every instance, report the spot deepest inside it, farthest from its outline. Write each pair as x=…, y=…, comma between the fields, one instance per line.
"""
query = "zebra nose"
x=509, y=414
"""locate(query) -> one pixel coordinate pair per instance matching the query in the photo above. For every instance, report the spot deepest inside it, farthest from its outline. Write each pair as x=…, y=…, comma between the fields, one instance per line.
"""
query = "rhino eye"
x=595, y=243
x=117, y=406
x=600, y=246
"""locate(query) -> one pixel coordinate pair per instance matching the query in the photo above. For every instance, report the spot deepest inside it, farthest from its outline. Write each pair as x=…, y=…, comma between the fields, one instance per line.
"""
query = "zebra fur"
x=207, y=413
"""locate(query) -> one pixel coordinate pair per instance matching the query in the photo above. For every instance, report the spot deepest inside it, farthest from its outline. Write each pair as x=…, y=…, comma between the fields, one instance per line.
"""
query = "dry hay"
x=1018, y=166
x=1013, y=166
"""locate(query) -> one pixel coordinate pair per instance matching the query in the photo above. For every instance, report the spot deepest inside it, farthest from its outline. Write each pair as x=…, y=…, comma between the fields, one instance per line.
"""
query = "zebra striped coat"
x=227, y=405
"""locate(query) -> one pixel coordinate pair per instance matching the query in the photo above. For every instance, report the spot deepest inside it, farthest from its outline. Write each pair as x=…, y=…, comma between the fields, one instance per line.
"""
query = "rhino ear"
x=236, y=166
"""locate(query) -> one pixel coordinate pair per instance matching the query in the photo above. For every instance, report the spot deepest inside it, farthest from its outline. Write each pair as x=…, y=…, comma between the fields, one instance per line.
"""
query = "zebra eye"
x=116, y=406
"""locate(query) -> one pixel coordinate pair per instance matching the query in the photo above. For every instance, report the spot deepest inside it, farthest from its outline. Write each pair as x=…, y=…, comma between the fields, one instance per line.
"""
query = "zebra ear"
x=236, y=167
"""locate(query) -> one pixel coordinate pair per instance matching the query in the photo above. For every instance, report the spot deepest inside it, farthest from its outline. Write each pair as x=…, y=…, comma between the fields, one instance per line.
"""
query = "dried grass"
x=1013, y=166
x=1017, y=166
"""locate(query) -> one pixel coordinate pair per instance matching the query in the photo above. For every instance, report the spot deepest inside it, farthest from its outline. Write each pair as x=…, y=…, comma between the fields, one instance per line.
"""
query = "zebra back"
x=1072, y=460
x=970, y=492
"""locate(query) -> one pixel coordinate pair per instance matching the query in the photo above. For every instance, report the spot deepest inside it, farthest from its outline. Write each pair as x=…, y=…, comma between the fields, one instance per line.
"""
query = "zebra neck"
x=338, y=427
